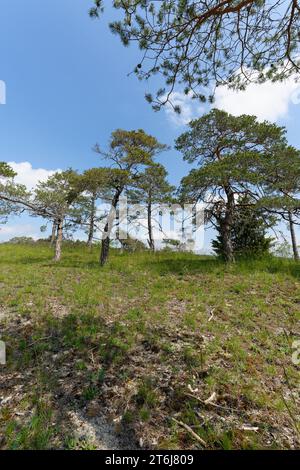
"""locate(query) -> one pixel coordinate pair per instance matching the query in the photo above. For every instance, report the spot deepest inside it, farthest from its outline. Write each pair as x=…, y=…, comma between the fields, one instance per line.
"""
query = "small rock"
x=93, y=409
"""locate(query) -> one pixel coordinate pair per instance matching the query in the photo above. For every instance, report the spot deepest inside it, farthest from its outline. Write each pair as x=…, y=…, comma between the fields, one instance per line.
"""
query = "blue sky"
x=68, y=87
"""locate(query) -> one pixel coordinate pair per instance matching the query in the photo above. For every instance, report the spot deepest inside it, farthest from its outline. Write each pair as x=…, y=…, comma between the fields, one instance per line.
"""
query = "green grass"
x=140, y=336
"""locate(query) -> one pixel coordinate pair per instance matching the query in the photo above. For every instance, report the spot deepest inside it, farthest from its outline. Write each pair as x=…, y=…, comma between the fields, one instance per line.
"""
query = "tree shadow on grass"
x=183, y=266
x=42, y=368
x=207, y=265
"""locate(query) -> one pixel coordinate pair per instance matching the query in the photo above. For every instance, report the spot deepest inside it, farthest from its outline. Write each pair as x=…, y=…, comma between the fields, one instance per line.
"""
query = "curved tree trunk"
x=293, y=237
x=59, y=239
x=92, y=222
x=53, y=234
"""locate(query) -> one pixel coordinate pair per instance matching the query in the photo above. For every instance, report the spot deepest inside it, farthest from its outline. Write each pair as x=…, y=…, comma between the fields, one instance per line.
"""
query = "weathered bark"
x=92, y=222
x=150, y=231
x=59, y=239
x=53, y=234
x=226, y=226
x=227, y=244
x=108, y=228
x=104, y=251
x=293, y=237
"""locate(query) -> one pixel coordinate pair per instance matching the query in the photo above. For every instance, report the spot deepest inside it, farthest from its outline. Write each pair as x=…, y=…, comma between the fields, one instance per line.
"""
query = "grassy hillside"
x=144, y=342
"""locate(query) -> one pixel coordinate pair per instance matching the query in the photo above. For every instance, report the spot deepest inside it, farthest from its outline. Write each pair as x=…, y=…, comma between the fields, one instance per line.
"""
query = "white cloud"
x=30, y=176
x=268, y=101
x=190, y=109
x=18, y=230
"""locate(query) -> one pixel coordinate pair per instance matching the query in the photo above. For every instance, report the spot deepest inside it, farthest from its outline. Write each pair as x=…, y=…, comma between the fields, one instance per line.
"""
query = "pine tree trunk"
x=92, y=223
x=293, y=237
x=227, y=244
x=53, y=234
x=104, y=250
x=226, y=226
x=150, y=231
x=58, y=240
x=108, y=228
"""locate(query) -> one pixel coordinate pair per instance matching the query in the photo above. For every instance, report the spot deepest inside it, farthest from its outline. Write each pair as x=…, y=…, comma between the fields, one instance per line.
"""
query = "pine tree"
x=228, y=151
x=130, y=152
x=203, y=44
x=248, y=233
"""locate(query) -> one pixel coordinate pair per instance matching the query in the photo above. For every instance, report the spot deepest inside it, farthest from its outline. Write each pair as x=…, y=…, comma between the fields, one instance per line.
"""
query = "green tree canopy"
x=56, y=194
x=6, y=171
x=10, y=192
x=152, y=185
x=131, y=150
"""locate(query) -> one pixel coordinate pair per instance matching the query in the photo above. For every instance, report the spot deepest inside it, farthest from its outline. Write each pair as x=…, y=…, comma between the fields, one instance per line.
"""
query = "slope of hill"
x=164, y=350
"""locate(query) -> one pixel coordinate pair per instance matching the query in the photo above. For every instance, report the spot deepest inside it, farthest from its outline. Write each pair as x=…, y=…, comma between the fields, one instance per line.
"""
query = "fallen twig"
x=190, y=430
x=211, y=398
x=211, y=314
x=39, y=340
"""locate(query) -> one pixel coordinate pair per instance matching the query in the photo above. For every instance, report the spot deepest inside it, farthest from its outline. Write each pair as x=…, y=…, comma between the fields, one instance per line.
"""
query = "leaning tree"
x=53, y=200
x=129, y=153
x=202, y=44
x=226, y=149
